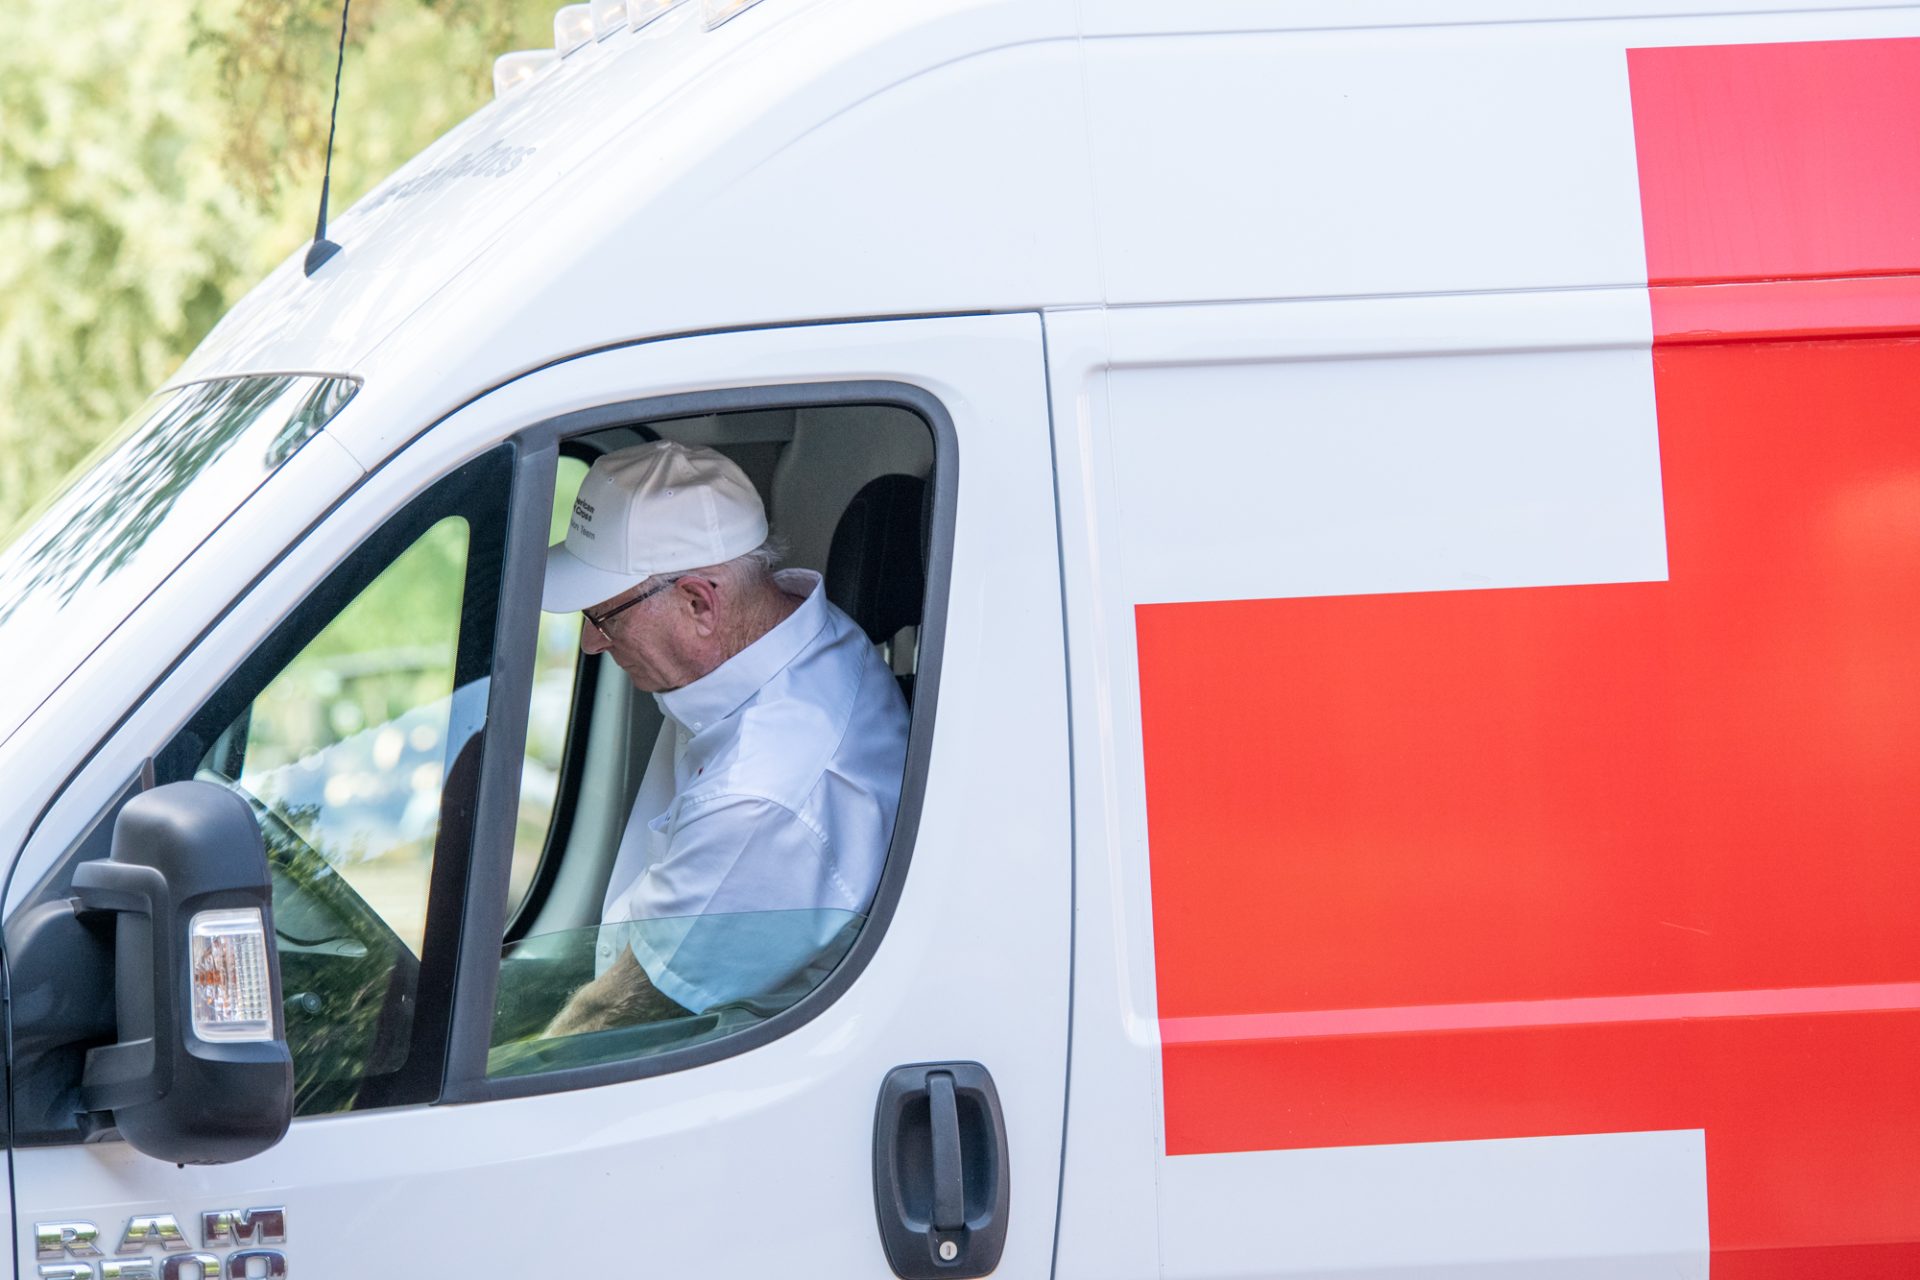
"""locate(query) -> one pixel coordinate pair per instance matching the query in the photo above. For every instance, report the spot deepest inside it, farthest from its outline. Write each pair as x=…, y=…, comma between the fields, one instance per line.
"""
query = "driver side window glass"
x=346, y=748
x=353, y=734
x=345, y=753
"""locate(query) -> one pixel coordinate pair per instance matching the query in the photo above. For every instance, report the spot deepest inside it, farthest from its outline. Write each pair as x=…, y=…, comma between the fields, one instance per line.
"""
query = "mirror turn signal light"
x=231, y=989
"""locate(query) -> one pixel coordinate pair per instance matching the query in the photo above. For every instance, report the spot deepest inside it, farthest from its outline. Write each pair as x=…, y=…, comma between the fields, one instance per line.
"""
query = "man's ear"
x=702, y=600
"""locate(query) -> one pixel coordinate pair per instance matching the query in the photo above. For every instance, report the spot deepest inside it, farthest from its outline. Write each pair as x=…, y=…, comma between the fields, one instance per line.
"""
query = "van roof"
x=832, y=159
x=651, y=183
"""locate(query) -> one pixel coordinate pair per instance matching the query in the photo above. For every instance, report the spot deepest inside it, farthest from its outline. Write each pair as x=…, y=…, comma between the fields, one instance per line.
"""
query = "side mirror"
x=201, y=1073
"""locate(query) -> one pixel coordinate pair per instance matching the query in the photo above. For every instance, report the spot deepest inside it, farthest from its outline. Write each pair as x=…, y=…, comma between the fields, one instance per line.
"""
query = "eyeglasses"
x=600, y=623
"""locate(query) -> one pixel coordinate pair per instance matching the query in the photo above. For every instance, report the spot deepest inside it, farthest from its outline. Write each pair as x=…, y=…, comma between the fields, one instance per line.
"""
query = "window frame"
x=586, y=678
x=476, y=986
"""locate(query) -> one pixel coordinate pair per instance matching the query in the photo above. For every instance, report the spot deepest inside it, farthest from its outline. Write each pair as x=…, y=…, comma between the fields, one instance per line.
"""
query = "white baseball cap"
x=660, y=507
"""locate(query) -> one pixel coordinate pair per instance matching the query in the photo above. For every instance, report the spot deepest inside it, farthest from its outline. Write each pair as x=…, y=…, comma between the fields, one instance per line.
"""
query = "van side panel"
x=1623, y=855
x=1273, y=164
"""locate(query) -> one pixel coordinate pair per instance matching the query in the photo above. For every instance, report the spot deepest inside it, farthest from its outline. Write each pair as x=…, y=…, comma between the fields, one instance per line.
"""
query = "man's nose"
x=592, y=638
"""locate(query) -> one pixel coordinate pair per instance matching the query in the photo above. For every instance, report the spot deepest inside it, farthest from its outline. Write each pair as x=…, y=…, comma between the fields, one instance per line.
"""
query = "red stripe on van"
x=1365, y=810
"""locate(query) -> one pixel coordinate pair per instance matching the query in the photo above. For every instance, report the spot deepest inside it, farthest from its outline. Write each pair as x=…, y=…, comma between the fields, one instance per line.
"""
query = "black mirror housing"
x=180, y=850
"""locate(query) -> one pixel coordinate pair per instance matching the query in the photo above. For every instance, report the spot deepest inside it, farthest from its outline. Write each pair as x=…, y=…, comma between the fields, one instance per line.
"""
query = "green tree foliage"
x=431, y=61
x=157, y=157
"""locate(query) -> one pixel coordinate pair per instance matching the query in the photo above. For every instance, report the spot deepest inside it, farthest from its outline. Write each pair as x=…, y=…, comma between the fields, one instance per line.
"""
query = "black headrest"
x=876, y=568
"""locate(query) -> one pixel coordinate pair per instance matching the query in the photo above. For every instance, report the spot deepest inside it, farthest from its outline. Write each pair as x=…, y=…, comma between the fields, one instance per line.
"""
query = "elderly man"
x=773, y=785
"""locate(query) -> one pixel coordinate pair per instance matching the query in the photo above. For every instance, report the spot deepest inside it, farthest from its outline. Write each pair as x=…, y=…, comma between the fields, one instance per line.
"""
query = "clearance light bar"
x=641, y=12
x=511, y=70
x=608, y=17
x=719, y=11
x=572, y=27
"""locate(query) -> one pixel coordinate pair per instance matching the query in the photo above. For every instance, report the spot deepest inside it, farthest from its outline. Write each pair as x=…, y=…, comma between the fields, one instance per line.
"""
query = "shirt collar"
x=722, y=691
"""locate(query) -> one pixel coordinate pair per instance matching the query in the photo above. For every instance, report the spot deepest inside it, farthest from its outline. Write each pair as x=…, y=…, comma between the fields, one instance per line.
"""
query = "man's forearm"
x=623, y=996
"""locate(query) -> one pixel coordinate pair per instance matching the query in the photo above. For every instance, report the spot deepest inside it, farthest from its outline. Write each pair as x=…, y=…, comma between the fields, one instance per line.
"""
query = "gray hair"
x=759, y=563
x=753, y=569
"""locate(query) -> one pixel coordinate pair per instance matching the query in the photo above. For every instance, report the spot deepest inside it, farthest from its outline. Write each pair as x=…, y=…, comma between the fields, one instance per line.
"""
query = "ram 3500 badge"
x=67, y=1249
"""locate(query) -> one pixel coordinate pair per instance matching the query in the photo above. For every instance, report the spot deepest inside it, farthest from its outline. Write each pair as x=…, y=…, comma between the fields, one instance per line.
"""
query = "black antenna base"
x=322, y=248
x=318, y=254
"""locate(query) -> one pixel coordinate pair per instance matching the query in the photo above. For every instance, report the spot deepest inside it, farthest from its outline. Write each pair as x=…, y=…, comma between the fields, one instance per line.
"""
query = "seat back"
x=876, y=567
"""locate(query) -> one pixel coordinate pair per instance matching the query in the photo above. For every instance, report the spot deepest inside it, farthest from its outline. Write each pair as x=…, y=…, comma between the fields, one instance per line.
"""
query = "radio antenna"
x=322, y=248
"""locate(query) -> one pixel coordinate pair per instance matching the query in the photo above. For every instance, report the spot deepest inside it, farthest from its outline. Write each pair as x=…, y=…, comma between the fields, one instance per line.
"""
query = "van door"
x=372, y=695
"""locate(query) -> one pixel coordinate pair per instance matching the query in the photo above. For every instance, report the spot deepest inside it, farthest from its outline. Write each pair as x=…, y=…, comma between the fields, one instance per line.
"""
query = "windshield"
x=135, y=511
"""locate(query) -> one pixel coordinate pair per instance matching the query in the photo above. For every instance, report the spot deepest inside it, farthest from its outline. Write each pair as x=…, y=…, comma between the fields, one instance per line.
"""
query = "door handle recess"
x=940, y=1171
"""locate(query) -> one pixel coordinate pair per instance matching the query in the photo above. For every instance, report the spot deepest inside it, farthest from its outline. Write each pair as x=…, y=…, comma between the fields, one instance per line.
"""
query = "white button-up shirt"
x=762, y=823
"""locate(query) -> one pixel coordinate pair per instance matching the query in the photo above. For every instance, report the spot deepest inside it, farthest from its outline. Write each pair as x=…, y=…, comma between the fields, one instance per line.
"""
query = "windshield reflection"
x=135, y=511
x=94, y=527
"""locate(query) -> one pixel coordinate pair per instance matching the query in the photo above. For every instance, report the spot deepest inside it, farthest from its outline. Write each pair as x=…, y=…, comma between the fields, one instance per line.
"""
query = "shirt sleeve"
x=727, y=913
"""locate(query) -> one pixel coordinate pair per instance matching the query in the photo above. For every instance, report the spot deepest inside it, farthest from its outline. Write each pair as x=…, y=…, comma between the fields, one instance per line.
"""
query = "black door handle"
x=940, y=1171
x=943, y=1126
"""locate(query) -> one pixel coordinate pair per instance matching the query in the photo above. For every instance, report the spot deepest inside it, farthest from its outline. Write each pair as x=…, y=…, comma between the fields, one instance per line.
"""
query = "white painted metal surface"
x=1507, y=457
x=1151, y=17
x=718, y=1169
x=1110, y=1225
x=1613, y=1206
x=1372, y=172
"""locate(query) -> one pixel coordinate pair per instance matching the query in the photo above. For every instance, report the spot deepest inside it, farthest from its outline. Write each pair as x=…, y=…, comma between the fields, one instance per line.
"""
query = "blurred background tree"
x=158, y=157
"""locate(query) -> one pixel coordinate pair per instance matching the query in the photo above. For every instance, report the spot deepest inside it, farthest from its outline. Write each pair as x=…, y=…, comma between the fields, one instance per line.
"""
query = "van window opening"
x=846, y=495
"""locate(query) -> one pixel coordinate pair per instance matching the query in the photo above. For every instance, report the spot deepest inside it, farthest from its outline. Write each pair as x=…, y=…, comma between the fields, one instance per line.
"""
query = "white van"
x=1400, y=524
